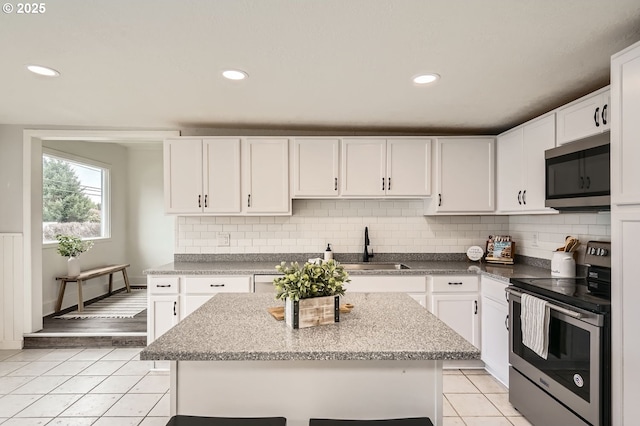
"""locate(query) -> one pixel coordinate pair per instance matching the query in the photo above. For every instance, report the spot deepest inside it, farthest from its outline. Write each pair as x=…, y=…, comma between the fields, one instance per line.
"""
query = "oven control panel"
x=598, y=253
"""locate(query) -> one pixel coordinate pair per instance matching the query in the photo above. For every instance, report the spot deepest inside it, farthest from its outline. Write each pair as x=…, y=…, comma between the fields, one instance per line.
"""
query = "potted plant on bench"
x=71, y=247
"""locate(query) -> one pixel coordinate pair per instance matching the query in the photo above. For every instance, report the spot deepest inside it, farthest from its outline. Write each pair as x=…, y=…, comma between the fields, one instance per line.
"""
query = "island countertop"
x=381, y=326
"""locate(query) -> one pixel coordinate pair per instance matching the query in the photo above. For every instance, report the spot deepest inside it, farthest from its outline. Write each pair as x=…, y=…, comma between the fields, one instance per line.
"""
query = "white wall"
x=150, y=232
x=10, y=179
x=394, y=227
x=104, y=252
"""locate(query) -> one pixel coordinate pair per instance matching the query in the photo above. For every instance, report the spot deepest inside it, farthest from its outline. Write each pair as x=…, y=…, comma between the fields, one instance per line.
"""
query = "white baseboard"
x=11, y=344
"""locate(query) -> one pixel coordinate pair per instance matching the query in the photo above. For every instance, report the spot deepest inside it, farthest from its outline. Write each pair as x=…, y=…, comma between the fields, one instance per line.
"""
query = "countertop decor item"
x=71, y=247
x=311, y=292
x=500, y=249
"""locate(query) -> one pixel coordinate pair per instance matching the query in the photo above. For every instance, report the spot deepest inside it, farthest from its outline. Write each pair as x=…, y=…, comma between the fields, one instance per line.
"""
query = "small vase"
x=73, y=267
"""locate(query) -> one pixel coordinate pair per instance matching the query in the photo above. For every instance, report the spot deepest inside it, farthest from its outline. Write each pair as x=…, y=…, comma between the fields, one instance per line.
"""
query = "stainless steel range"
x=572, y=385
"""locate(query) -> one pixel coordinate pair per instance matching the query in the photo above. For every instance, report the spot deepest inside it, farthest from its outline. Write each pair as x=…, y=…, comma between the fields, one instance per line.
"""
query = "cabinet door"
x=363, y=167
x=509, y=174
x=581, y=119
x=625, y=149
x=315, y=167
x=409, y=167
x=538, y=136
x=460, y=312
x=466, y=175
x=183, y=176
x=221, y=175
x=495, y=338
x=267, y=176
x=163, y=314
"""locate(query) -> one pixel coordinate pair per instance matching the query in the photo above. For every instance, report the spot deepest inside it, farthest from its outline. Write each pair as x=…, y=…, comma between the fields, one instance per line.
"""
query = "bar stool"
x=181, y=420
x=414, y=421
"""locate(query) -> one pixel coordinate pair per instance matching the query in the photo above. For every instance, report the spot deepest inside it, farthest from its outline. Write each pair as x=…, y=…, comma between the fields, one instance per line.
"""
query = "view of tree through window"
x=72, y=199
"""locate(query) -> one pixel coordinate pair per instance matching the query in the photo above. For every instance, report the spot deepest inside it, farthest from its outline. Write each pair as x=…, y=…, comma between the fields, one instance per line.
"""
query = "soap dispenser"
x=328, y=254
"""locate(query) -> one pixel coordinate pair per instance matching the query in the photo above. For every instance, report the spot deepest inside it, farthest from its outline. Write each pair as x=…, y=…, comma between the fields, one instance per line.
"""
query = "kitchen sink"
x=365, y=266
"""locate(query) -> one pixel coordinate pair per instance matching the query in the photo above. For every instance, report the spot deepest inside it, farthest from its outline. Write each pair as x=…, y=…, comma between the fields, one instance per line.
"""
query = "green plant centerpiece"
x=72, y=247
x=311, y=292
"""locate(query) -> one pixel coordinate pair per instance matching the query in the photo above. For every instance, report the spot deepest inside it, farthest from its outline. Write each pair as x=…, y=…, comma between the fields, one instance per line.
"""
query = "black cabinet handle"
x=604, y=114
x=454, y=283
x=506, y=322
x=335, y=184
x=389, y=184
x=595, y=117
x=249, y=200
x=199, y=203
x=520, y=197
x=524, y=197
x=475, y=309
x=216, y=285
x=588, y=182
x=439, y=200
x=174, y=309
x=581, y=182
x=163, y=285
x=205, y=200
x=383, y=184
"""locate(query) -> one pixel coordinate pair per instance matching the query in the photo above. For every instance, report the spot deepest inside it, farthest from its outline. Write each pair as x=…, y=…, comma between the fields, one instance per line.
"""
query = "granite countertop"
x=417, y=267
x=381, y=326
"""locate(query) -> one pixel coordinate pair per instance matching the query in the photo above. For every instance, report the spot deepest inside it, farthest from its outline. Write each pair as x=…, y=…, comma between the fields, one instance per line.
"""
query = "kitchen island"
x=382, y=360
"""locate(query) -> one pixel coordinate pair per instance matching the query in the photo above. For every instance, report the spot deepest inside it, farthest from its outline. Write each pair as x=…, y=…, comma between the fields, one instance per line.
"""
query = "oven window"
x=568, y=362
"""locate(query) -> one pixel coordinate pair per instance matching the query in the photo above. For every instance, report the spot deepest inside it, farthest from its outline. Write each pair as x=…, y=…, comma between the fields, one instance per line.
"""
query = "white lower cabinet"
x=415, y=286
x=172, y=298
x=454, y=300
x=495, y=328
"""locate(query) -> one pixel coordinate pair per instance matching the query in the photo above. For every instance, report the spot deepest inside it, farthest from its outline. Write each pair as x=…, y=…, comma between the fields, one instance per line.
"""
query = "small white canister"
x=563, y=265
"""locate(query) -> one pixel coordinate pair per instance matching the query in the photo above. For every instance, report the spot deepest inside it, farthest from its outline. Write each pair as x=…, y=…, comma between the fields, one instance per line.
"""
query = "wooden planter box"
x=314, y=311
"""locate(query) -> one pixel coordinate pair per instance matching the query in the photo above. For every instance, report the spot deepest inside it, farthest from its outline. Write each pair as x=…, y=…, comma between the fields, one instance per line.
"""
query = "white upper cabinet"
x=409, y=167
x=521, y=168
x=363, y=167
x=266, y=176
x=465, y=176
x=315, y=166
x=398, y=167
x=585, y=117
x=625, y=144
x=202, y=175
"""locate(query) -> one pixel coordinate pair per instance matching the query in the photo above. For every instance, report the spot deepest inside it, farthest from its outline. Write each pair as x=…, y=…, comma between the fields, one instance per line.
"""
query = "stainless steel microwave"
x=577, y=175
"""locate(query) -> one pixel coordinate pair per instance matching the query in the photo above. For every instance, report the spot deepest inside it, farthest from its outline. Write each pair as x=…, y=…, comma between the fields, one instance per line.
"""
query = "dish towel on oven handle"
x=534, y=321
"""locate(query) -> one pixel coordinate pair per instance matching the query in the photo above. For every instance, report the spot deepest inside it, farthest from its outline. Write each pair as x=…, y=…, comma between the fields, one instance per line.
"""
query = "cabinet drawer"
x=164, y=285
x=494, y=289
x=386, y=283
x=216, y=284
x=453, y=283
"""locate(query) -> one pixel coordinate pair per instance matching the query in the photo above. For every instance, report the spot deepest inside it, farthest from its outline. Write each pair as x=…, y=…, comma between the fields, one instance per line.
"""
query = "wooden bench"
x=87, y=275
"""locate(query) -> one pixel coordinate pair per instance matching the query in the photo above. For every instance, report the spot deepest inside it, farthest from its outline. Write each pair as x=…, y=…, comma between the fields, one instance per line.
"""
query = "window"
x=74, y=197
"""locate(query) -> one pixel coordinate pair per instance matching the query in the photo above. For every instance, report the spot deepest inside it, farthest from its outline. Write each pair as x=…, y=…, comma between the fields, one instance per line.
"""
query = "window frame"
x=105, y=225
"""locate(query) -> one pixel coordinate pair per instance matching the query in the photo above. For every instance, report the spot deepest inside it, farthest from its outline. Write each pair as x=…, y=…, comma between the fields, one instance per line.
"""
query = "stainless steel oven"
x=572, y=385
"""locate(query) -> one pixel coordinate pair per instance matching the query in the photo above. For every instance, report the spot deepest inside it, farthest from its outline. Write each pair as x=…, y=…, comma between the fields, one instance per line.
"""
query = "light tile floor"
x=106, y=387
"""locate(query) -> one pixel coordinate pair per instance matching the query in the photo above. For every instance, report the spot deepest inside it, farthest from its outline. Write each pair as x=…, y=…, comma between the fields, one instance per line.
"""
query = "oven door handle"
x=560, y=309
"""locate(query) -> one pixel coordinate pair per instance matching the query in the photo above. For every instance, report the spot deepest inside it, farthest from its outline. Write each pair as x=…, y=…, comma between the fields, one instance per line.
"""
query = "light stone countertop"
x=381, y=326
x=500, y=272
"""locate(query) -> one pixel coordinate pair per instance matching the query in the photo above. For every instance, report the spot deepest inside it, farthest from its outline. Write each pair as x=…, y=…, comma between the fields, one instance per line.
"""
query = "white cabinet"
x=163, y=311
x=266, y=176
x=625, y=234
x=415, y=286
x=625, y=133
x=585, y=117
x=465, y=176
x=202, y=175
x=520, y=166
x=454, y=300
x=495, y=328
x=315, y=167
x=172, y=298
x=386, y=167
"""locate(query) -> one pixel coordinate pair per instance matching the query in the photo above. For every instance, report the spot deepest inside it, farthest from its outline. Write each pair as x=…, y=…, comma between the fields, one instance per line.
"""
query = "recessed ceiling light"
x=425, y=78
x=48, y=72
x=235, y=74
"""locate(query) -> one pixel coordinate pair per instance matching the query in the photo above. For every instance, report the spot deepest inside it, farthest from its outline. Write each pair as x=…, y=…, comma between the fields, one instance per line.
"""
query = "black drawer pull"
x=216, y=285
x=455, y=283
x=163, y=285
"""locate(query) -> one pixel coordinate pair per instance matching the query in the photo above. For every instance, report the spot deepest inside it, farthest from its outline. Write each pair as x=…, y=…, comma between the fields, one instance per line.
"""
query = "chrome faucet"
x=366, y=255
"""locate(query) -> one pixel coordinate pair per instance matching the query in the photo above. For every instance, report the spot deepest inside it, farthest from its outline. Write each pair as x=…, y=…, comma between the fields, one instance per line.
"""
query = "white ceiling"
x=313, y=64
